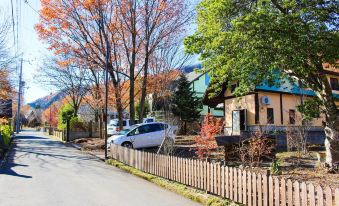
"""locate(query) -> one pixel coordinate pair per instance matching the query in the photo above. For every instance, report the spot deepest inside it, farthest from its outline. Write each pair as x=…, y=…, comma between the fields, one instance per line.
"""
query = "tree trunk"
x=144, y=89
x=76, y=109
x=332, y=123
x=131, y=94
x=118, y=102
x=101, y=136
x=117, y=95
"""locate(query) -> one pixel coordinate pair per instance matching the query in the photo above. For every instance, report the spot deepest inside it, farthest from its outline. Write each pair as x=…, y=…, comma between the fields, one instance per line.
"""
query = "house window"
x=292, y=116
x=334, y=83
x=233, y=87
x=270, y=116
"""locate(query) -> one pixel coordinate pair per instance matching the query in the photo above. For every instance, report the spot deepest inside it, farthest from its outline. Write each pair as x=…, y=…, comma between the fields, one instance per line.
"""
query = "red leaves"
x=206, y=142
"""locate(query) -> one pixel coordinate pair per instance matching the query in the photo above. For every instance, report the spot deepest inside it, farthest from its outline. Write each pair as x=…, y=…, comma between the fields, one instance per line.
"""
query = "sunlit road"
x=41, y=171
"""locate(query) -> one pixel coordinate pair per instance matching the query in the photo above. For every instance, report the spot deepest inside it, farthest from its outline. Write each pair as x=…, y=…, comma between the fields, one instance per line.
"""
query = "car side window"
x=163, y=126
x=155, y=127
x=144, y=129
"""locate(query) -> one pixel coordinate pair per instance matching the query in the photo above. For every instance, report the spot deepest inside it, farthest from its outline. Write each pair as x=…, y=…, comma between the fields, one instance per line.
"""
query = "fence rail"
x=233, y=183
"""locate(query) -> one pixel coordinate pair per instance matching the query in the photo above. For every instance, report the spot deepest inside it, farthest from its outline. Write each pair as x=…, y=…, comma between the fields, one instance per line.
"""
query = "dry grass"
x=306, y=168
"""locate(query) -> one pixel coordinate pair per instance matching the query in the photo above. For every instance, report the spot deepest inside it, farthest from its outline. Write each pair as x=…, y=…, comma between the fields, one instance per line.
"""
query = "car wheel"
x=127, y=144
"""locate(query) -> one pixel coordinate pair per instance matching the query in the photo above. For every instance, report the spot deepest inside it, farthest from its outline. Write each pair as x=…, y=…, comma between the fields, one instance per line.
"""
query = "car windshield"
x=114, y=123
x=124, y=131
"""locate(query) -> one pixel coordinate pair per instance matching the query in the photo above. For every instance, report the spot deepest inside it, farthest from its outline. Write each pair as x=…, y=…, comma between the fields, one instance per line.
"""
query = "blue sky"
x=29, y=44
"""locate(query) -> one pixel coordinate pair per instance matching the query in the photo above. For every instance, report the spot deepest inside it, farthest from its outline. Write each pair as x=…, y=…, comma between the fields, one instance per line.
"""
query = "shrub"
x=6, y=133
x=275, y=167
x=253, y=150
x=206, y=141
x=66, y=113
x=77, y=124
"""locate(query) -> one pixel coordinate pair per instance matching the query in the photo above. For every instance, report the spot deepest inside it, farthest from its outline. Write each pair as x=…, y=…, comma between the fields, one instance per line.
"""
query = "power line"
x=17, y=26
x=36, y=11
x=26, y=2
x=13, y=23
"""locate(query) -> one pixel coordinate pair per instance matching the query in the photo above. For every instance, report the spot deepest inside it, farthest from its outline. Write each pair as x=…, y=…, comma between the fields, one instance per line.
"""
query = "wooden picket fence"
x=232, y=183
x=59, y=135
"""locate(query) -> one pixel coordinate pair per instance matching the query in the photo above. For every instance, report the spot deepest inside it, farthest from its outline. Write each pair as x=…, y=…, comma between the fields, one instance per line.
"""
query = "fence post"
x=296, y=194
x=328, y=193
x=283, y=192
x=235, y=184
x=260, y=189
x=68, y=127
x=311, y=194
x=303, y=193
x=265, y=189
x=277, y=191
x=254, y=188
x=239, y=185
x=90, y=131
x=227, y=195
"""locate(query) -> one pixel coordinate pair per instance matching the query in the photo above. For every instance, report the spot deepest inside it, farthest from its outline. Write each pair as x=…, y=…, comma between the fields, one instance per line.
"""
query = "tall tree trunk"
x=144, y=89
x=131, y=93
x=118, y=103
x=76, y=110
x=332, y=123
x=117, y=95
x=134, y=34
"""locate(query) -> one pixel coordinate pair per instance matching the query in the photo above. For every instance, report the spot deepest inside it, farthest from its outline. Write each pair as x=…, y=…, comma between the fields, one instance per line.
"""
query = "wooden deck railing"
x=239, y=185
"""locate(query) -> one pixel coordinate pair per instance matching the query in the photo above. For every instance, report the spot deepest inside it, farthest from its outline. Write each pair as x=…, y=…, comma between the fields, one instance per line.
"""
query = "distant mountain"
x=190, y=68
x=45, y=102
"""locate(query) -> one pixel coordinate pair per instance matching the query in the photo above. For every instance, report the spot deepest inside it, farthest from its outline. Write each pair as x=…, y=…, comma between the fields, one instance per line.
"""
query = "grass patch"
x=188, y=192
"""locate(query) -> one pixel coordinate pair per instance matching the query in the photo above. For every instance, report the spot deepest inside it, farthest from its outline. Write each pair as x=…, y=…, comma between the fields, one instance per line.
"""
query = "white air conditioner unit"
x=265, y=100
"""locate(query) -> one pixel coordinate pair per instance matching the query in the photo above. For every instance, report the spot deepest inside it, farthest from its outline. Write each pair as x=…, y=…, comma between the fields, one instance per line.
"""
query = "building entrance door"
x=239, y=121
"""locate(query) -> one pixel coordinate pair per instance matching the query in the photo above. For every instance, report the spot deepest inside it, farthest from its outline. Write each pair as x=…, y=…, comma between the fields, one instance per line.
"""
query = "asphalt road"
x=41, y=171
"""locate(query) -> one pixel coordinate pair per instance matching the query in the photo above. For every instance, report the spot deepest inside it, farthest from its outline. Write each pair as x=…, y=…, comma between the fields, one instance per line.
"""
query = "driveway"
x=45, y=172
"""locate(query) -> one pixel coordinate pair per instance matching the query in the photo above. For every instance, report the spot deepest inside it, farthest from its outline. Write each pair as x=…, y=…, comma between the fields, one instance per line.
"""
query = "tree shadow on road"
x=10, y=164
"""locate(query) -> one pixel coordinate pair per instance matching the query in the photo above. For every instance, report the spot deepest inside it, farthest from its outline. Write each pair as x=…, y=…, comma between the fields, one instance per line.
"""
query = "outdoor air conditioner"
x=265, y=100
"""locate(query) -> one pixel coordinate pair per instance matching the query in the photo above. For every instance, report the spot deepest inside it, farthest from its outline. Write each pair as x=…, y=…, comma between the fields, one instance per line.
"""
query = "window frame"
x=270, y=119
x=290, y=119
x=334, y=82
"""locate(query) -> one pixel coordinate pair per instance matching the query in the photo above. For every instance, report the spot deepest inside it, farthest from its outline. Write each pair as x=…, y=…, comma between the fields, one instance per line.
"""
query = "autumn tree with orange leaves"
x=6, y=88
x=205, y=143
x=50, y=114
x=131, y=30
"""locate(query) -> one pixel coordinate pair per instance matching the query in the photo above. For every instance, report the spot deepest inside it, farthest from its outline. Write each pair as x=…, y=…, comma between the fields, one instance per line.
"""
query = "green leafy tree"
x=66, y=113
x=185, y=104
x=5, y=131
x=253, y=41
x=310, y=109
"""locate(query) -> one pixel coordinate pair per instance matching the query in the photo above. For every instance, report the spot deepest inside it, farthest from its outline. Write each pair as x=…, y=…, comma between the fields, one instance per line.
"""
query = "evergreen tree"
x=185, y=104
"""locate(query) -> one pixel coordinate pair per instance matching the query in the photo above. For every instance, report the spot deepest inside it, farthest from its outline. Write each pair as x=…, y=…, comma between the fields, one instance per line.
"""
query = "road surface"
x=41, y=171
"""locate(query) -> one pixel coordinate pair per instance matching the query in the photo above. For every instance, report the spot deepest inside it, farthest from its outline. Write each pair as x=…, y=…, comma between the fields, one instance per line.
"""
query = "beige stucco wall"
x=248, y=102
x=289, y=102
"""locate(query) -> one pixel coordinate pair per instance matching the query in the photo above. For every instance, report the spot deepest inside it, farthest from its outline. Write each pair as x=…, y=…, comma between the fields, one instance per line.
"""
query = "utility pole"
x=106, y=95
x=50, y=112
x=18, y=116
